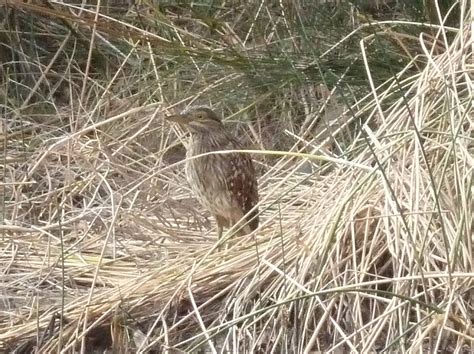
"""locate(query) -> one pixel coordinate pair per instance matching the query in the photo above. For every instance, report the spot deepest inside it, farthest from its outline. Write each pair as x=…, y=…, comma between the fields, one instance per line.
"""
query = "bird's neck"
x=206, y=142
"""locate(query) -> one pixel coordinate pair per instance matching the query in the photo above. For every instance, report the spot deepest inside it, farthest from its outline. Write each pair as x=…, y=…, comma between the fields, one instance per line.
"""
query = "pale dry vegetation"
x=366, y=182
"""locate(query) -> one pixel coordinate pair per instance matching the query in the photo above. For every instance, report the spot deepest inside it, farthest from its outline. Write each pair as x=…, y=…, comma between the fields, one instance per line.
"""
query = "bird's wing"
x=242, y=185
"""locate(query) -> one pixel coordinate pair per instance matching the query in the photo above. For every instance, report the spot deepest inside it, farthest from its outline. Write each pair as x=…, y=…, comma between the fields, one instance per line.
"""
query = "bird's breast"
x=206, y=178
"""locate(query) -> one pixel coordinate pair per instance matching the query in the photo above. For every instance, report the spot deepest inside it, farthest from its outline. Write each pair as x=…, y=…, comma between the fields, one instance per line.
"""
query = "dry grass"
x=103, y=246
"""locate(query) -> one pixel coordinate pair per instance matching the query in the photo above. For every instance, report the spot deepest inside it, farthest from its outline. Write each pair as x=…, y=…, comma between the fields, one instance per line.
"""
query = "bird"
x=224, y=183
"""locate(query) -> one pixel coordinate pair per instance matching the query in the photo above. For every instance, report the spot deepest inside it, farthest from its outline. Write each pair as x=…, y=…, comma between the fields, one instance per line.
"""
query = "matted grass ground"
x=363, y=246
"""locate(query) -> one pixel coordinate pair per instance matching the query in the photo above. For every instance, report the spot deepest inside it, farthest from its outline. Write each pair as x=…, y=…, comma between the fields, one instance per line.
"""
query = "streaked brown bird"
x=225, y=184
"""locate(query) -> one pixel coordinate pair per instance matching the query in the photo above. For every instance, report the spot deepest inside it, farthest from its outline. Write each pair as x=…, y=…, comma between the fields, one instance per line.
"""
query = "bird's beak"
x=182, y=119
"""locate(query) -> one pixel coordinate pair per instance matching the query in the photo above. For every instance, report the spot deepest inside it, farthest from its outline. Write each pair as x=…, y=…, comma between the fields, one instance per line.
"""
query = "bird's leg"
x=220, y=227
x=220, y=230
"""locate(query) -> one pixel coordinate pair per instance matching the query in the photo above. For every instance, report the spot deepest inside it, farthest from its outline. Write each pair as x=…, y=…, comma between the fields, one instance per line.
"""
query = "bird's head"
x=197, y=120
